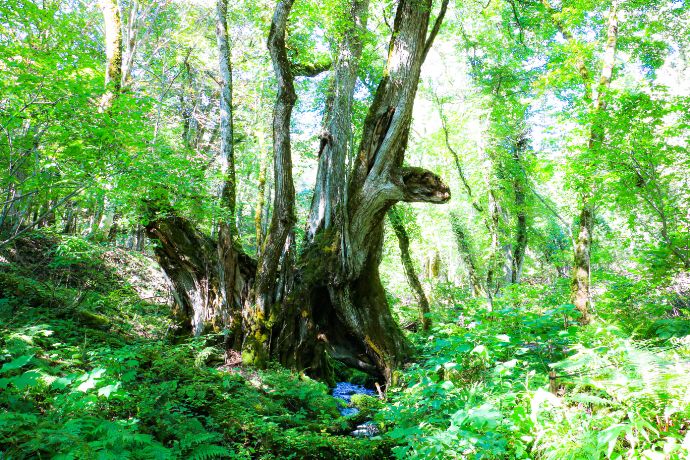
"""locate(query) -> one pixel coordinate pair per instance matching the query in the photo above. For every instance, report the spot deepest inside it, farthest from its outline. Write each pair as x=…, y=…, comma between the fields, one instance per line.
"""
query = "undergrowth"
x=90, y=370
x=526, y=381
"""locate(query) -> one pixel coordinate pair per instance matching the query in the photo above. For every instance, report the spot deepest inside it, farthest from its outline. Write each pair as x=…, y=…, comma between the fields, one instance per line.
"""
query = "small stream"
x=345, y=391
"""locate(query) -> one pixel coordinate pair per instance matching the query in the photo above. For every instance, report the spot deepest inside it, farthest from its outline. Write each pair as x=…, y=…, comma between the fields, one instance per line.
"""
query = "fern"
x=197, y=443
x=207, y=451
x=642, y=399
x=203, y=356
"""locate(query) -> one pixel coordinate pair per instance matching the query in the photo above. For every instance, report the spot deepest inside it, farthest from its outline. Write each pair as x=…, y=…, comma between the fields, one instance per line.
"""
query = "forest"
x=345, y=229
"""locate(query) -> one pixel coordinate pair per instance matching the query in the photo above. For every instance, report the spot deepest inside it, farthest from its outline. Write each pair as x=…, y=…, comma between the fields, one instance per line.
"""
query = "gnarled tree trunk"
x=338, y=303
x=348, y=311
x=328, y=300
x=209, y=291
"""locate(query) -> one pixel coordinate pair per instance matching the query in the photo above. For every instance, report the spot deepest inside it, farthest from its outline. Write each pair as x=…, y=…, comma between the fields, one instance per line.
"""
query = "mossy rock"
x=93, y=320
x=367, y=405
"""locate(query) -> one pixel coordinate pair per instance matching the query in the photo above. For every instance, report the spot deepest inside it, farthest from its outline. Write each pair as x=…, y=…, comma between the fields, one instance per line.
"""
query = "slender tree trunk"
x=113, y=85
x=139, y=241
x=97, y=214
x=521, y=238
x=412, y=278
x=266, y=212
x=70, y=227
x=113, y=51
x=114, y=228
x=456, y=158
x=227, y=153
x=264, y=158
x=10, y=202
x=478, y=289
x=107, y=217
x=581, y=264
x=257, y=318
x=494, y=279
x=432, y=265
x=261, y=201
x=580, y=293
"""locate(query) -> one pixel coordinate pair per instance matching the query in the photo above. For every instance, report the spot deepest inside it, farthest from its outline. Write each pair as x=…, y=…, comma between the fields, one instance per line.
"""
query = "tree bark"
x=210, y=292
x=70, y=219
x=257, y=318
x=398, y=225
x=264, y=158
x=456, y=158
x=113, y=51
x=113, y=85
x=521, y=238
x=227, y=153
x=261, y=200
x=580, y=284
x=327, y=208
x=432, y=265
x=580, y=292
x=495, y=262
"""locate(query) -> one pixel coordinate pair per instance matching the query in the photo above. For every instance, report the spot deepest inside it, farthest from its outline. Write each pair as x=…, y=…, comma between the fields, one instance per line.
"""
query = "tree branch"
x=456, y=157
x=42, y=216
x=436, y=27
x=581, y=65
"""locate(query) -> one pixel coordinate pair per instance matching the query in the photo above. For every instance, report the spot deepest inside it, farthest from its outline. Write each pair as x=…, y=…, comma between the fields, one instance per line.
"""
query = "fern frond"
x=207, y=451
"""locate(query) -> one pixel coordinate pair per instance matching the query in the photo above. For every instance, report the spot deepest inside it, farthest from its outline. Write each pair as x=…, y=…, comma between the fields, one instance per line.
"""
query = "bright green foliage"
x=482, y=389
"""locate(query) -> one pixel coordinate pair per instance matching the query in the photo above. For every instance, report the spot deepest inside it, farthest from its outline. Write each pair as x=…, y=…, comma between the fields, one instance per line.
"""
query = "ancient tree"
x=327, y=300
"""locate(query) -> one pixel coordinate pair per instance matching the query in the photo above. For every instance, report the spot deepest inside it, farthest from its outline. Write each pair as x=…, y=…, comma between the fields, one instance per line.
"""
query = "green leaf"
x=27, y=379
x=63, y=382
x=108, y=389
x=610, y=436
x=16, y=364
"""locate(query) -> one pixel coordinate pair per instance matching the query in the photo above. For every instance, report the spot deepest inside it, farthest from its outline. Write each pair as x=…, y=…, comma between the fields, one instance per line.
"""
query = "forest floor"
x=95, y=367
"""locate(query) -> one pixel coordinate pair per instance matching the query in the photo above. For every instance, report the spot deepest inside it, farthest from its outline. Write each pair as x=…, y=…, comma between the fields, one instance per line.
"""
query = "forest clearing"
x=345, y=229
